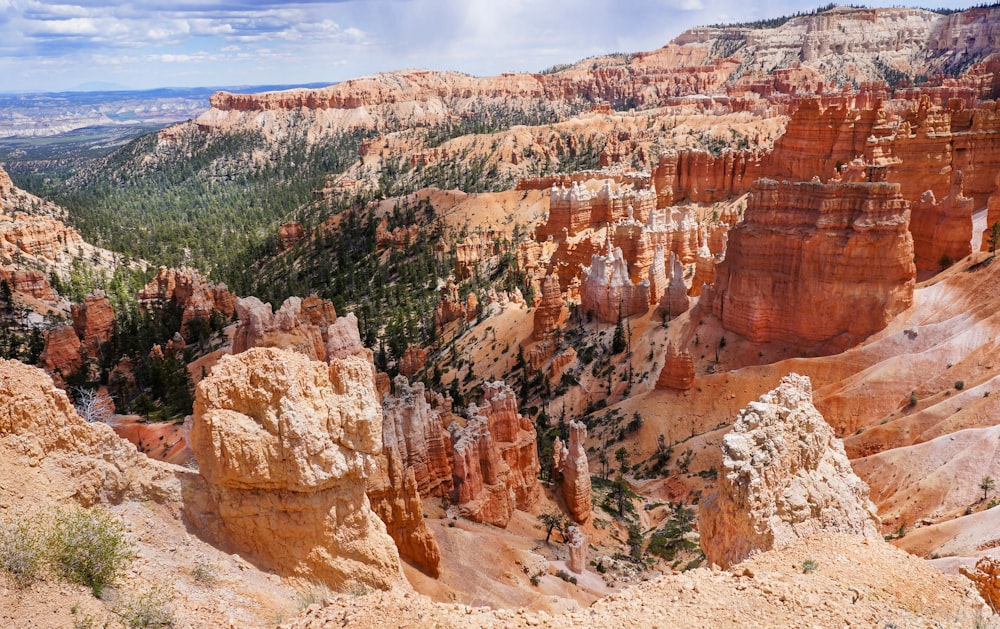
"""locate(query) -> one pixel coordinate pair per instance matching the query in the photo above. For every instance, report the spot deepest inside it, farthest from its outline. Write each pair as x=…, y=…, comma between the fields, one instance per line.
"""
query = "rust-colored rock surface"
x=62, y=353
x=189, y=291
x=285, y=444
x=570, y=461
x=412, y=360
x=495, y=459
x=417, y=431
x=942, y=230
x=986, y=576
x=785, y=475
x=678, y=369
x=94, y=321
x=551, y=312
x=29, y=282
x=808, y=248
x=392, y=490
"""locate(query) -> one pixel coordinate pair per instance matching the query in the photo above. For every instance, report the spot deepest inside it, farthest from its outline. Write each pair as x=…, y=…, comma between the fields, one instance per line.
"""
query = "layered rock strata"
x=678, y=369
x=551, y=312
x=841, y=250
x=285, y=444
x=495, y=459
x=785, y=476
x=607, y=292
x=573, y=469
x=93, y=321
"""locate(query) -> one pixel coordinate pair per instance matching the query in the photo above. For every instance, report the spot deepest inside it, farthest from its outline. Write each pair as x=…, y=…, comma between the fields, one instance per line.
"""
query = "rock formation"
x=41, y=432
x=841, y=250
x=449, y=308
x=392, y=490
x=285, y=444
x=417, y=431
x=942, y=230
x=62, y=352
x=607, y=292
x=785, y=475
x=986, y=576
x=701, y=177
x=412, y=360
x=577, y=546
x=675, y=300
x=94, y=321
x=678, y=369
x=495, y=459
x=29, y=282
x=570, y=462
x=551, y=312
x=300, y=324
x=187, y=290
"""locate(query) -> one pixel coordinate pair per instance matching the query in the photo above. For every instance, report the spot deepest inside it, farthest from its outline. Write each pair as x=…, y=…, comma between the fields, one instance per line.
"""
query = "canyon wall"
x=816, y=264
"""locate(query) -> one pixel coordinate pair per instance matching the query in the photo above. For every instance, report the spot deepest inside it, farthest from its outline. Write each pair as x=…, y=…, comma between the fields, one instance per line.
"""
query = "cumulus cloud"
x=148, y=43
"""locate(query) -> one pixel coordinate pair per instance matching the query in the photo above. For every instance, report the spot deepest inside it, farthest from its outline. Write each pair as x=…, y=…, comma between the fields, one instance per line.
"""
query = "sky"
x=142, y=44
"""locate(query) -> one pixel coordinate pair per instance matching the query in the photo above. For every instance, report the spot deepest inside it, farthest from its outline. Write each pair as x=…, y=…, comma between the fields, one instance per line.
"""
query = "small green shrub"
x=809, y=565
x=89, y=547
x=959, y=385
x=146, y=610
x=204, y=574
x=21, y=550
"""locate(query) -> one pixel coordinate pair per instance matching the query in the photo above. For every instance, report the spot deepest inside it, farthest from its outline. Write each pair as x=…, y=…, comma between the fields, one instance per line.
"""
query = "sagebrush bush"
x=145, y=610
x=88, y=546
x=21, y=550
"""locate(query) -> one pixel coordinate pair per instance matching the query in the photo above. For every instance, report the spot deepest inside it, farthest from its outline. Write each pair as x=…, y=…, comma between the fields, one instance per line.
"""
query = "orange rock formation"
x=570, y=462
x=187, y=290
x=841, y=250
x=285, y=443
x=93, y=321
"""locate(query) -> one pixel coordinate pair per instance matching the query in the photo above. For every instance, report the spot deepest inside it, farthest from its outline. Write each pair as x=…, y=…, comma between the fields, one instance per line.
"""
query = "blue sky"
x=51, y=46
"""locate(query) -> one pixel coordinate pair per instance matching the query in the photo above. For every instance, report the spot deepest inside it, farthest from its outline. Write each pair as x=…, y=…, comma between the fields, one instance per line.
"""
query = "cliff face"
x=285, y=444
x=607, y=291
x=806, y=248
x=299, y=324
x=418, y=432
x=93, y=321
x=785, y=476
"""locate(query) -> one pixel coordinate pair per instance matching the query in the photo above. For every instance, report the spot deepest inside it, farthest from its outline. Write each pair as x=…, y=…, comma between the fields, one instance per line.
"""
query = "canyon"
x=707, y=336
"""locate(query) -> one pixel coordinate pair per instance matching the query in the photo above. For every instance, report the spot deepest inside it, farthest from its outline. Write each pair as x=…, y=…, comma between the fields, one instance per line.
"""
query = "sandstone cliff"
x=285, y=444
x=807, y=248
x=93, y=321
x=299, y=324
x=785, y=475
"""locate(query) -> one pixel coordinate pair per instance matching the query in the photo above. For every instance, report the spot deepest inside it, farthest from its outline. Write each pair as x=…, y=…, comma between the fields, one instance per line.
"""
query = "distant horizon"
x=200, y=44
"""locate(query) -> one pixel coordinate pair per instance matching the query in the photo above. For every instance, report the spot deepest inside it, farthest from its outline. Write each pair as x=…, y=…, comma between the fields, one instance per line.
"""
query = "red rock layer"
x=570, y=461
x=392, y=490
x=412, y=360
x=28, y=282
x=417, y=431
x=702, y=177
x=93, y=321
x=815, y=263
x=495, y=459
x=678, y=370
x=942, y=230
x=186, y=289
x=62, y=353
x=551, y=312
